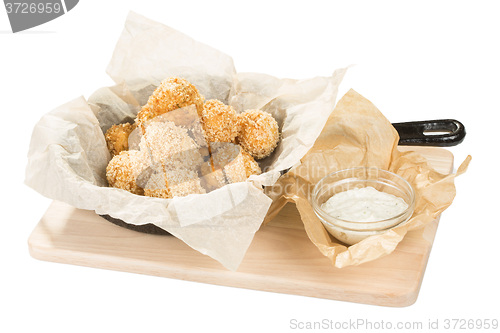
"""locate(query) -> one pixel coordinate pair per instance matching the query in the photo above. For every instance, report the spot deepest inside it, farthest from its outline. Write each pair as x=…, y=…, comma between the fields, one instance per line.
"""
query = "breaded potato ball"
x=117, y=138
x=184, y=150
x=173, y=183
x=173, y=93
x=185, y=117
x=176, y=157
x=123, y=169
x=251, y=166
x=158, y=193
x=157, y=185
x=171, y=145
x=187, y=187
x=211, y=177
x=229, y=158
x=220, y=121
x=259, y=133
x=226, y=166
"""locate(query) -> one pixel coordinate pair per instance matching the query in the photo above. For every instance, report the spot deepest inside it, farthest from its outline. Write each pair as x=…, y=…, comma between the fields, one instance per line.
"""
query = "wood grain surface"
x=280, y=259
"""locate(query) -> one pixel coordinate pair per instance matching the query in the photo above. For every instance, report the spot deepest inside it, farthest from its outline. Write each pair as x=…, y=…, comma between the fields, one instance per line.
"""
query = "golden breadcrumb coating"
x=188, y=186
x=174, y=158
x=220, y=121
x=177, y=157
x=158, y=193
x=173, y=183
x=117, y=138
x=225, y=166
x=235, y=170
x=173, y=93
x=185, y=117
x=211, y=178
x=258, y=134
x=228, y=157
x=124, y=168
x=157, y=185
x=251, y=166
x=170, y=145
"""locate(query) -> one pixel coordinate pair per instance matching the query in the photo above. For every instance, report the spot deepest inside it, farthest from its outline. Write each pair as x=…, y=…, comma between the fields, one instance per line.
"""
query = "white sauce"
x=364, y=205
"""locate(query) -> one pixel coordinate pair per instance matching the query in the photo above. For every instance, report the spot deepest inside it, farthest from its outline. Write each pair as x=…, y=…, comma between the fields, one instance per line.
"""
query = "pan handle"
x=449, y=132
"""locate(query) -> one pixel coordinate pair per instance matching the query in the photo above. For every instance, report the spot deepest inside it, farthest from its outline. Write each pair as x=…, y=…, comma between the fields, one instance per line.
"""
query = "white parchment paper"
x=68, y=155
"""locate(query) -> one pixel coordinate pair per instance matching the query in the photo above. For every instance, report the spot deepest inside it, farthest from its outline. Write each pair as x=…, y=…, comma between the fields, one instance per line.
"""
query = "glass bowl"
x=352, y=231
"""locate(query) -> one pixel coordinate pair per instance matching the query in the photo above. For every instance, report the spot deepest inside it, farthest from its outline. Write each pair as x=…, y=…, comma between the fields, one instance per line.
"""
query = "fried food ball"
x=228, y=157
x=158, y=193
x=123, y=169
x=220, y=121
x=251, y=166
x=185, y=117
x=173, y=93
x=225, y=166
x=211, y=177
x=186, y=187
x=235, y=170
x=258, y=134
x=176, y=158
x=171, y=145
x=117, y=138
x=171, y=183
x=157, y=185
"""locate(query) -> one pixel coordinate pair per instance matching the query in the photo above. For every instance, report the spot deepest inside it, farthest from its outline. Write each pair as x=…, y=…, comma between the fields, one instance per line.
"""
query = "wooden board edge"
x=40, y=249
x=390, y=300
x=43, y=252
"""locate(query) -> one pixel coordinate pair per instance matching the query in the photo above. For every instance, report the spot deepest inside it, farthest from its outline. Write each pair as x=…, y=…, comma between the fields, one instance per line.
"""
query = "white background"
x=415, y=61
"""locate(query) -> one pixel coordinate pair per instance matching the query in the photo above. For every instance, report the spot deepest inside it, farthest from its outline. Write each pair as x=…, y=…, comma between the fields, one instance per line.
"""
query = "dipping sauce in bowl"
x=356, y=203
x=364, y=204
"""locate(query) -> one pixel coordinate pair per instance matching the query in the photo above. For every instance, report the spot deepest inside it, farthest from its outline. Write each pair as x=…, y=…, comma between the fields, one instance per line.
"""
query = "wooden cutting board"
x=280, y=259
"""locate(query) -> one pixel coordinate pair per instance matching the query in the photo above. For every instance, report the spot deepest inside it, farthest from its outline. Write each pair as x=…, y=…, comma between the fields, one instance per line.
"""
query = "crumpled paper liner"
x=68, y=155
x=357, y=134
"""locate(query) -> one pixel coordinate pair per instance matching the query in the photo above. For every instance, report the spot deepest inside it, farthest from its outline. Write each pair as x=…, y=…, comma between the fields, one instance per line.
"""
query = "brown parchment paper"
x=357, y=134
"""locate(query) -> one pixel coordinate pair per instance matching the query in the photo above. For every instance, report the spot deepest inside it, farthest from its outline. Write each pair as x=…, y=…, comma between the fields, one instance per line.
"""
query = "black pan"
x=437, y=133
